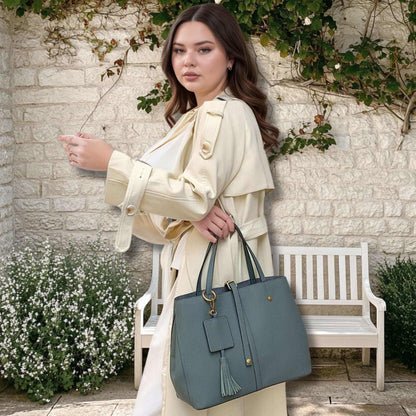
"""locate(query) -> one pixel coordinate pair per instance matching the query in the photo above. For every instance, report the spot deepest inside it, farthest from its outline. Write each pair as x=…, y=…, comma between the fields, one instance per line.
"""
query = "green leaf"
x=20, y=11
x=160, y=18
x=37, y=6
x=264, y=39
x=392, y=85
x=348, y=56
x=11, y=4
x=291, y=5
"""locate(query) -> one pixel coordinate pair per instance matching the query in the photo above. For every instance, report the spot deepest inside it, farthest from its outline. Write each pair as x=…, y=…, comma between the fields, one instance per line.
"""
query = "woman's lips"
x=190, y=76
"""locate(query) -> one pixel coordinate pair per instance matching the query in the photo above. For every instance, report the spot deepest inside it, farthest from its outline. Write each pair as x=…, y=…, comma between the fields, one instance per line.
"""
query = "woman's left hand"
x=86, y=151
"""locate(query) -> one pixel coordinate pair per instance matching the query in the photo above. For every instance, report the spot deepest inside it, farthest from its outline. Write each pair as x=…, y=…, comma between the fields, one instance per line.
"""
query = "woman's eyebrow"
x=196, y=44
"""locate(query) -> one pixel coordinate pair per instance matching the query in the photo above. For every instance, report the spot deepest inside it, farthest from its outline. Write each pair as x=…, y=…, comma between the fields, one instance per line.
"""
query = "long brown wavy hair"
x=242, y=79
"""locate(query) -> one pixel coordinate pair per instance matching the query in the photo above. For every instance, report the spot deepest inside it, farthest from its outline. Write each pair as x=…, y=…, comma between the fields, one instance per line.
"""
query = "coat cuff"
x=125, y=186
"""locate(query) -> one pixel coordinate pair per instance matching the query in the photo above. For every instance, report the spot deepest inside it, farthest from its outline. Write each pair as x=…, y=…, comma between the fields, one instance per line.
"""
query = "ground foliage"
x=398, y=289
x=66, y=318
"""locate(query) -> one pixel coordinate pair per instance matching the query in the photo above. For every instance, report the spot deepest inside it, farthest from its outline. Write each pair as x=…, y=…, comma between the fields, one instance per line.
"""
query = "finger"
x=230, y=224
x=214, y=229
x=85, y=136
x=209, y=236
x=72, y=140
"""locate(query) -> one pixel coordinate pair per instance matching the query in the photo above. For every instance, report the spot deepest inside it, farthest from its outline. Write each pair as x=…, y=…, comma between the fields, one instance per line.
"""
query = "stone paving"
x=336, y=387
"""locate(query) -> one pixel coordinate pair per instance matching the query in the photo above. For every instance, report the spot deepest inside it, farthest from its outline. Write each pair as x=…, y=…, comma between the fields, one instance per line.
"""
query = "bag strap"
x=248, y=254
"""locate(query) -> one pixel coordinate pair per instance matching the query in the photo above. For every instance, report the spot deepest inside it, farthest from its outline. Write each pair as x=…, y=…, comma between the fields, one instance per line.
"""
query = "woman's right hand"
x=216, y=223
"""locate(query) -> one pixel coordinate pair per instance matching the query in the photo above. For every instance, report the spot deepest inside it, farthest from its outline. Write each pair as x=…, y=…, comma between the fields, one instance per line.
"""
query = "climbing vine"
x=379, y=73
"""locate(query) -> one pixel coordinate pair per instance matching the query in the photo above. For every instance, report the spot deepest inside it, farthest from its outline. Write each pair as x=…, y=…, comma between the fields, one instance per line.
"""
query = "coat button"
x=206, y=147
x=131, y=209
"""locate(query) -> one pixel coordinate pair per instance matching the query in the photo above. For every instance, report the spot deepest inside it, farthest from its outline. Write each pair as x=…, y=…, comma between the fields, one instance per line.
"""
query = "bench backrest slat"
x=323, y=275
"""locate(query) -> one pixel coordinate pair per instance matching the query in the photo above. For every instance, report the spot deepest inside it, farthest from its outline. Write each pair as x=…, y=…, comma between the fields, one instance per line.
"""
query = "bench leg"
x=138, y=350
x=366, y=356
x=380, y=368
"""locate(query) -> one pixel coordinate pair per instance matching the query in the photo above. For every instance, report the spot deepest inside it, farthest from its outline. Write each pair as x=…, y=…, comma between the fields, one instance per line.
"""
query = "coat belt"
x=254, y=228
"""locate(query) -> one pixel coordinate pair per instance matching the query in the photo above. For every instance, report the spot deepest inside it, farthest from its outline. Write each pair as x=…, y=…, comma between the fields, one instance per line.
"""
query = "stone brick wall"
x=6, y=139
x=362, y=189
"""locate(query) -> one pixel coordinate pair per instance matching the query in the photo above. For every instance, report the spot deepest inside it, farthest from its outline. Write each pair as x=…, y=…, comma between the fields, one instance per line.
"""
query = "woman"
x=212, y=163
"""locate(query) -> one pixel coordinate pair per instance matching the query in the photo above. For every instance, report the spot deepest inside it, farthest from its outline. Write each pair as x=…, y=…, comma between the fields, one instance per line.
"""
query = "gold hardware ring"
x=214, y=296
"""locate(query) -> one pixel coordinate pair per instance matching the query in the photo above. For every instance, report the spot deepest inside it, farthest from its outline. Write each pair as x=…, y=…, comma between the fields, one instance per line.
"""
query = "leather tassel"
x=229, y=386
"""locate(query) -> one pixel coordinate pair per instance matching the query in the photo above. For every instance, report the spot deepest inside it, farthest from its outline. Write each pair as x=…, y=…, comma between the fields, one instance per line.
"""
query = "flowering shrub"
x=66, y=318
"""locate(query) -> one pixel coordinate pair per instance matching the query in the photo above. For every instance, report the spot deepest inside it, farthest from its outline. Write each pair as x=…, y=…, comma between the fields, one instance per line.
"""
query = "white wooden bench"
x=328, y=278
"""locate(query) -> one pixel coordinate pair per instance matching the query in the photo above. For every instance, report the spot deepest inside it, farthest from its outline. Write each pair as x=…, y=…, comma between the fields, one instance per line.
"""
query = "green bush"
x=398, y=288
x=66, y=319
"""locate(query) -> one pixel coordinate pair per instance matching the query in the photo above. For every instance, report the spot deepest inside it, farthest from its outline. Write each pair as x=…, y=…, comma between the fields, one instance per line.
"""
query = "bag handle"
x=248, y=254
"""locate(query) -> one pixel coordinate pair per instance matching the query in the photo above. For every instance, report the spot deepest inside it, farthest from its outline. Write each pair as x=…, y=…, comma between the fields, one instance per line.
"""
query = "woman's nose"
x=189, y=59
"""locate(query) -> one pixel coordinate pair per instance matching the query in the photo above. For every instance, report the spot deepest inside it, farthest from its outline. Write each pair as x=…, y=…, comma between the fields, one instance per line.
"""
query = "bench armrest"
x=143, y=301
x=379, y=303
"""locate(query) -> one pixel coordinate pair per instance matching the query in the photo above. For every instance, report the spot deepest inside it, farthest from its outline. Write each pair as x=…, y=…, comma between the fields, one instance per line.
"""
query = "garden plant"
x=66, y=318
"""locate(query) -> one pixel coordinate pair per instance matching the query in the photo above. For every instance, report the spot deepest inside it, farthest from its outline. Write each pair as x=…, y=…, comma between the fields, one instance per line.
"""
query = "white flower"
x=218, y=1
x=307, y=21
x=337, y=66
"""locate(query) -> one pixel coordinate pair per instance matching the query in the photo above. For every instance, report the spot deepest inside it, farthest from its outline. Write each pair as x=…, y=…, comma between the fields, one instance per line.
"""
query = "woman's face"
x=199, y=61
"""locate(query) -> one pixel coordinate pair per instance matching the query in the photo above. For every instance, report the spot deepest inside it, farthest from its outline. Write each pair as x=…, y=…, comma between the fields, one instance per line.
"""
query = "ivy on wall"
x=378, y=72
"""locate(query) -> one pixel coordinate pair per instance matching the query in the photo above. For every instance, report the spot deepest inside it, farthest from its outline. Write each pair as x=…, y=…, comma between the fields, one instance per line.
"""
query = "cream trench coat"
x=223, y=162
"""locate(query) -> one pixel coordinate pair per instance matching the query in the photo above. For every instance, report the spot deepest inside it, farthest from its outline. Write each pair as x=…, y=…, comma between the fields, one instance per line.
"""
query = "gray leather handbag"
x=233, y=340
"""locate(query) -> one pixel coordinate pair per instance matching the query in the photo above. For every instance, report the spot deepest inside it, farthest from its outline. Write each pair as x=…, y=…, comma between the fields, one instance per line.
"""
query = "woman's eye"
x=178, y=50
x=205, y=50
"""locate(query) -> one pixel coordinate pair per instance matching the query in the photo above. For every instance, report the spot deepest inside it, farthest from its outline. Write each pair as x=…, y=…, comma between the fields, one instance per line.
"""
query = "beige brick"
x=317, y=226
x=93, y=186
x=37, y=205
x=55, y=77
x=45, y=133
x=4, y=60
x=407, y=193
x=19, y=170
x=109, y=221
x=55, y=95
x=6, y=174
x=5, y=81
x=366, y=159
x=374, y=227
x=24, y=188
x=55, y=152
x=342, y=209
x=69, y=204
x=96, y=203
x=286, y=226
x=348, y=226
x=288, y=208
x=24, y=77
x=28, y=152
x=36, y=170
x=6, y=195
x=55, y=113
x=394, y=208
x=60, y=188
x=6, y=157
x=385, y=192
x=6, y=226
x=39, y=221
x=368, y=209
x=400, y=226
x=6, y=142
x=82, y=221
x=5, y=40
x=410, y=245
x=391, y=245
x=6, y=125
